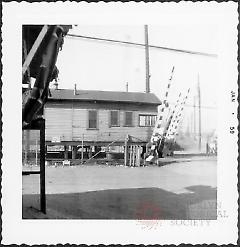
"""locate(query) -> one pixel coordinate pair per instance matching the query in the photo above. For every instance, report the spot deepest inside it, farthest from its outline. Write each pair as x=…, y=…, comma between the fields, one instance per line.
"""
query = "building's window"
x=92, y=119
x=147, y=120
x=114, y=118
x=128, y=119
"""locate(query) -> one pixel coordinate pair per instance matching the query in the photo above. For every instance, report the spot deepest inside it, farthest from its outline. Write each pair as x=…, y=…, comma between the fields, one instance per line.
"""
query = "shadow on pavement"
x=133, y=203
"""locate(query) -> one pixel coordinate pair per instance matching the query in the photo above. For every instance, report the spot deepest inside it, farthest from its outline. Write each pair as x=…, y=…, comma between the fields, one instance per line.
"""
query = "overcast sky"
x=98, y=65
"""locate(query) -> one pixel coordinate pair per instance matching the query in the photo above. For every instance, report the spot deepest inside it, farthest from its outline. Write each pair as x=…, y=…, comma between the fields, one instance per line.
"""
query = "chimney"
x=55, y=85
x=75, y=89
x=127, y=87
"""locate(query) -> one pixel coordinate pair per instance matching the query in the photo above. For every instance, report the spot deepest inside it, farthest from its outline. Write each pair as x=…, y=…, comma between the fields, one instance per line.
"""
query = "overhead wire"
x=142, y=45
x=69, y=35
x=189, y=105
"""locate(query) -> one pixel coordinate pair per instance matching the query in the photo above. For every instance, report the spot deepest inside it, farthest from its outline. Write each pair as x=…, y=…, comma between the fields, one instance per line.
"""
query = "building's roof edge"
x=104, y=96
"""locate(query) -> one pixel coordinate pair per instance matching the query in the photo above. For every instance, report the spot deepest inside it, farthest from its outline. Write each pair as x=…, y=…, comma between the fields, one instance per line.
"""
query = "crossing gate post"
x=126, y=150
x=130, y=160
x=134, y=155
x=138, y=155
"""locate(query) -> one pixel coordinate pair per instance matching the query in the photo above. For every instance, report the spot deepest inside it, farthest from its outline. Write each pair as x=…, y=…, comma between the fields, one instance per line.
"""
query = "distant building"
x=98, y=118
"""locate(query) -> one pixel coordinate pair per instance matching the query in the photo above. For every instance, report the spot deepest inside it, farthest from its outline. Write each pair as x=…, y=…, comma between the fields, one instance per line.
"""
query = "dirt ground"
x=180, y=189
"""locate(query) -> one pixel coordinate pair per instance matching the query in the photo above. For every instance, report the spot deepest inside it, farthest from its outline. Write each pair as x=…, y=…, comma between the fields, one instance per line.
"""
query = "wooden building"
x=76, y=118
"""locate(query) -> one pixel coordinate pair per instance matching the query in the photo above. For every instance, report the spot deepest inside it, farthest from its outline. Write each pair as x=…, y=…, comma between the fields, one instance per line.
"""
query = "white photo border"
x=18, y=231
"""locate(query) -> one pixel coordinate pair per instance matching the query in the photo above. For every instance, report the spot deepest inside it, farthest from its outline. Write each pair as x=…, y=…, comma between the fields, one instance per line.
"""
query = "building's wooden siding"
x=70, y=122
x=58, y=123
x=79, y=123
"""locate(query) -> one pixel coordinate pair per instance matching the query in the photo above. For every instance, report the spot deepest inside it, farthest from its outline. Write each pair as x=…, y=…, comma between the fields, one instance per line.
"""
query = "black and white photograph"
x=131, y=122
x=123, y=128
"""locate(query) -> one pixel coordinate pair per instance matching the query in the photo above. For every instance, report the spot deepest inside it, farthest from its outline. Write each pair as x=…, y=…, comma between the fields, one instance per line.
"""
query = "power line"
x=202, y=107
x=142, y=45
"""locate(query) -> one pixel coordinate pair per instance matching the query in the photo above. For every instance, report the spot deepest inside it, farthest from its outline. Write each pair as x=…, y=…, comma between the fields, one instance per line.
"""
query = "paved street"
x=180, y=189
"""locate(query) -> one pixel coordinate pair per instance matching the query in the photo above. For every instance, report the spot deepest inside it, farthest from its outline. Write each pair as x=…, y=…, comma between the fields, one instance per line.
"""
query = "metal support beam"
x=34, y=48
x=42, y=168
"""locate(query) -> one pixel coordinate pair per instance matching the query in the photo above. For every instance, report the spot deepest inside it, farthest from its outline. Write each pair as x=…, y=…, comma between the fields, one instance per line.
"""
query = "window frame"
x=88, y=127
x=146, y=115
x=125, y=118
x=110, y=118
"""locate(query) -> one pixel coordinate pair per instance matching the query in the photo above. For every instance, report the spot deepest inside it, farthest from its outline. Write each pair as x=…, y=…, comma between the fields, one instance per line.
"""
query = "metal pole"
x=199, y=112
x=82, y=149
x=147, y=59
x=42, y=167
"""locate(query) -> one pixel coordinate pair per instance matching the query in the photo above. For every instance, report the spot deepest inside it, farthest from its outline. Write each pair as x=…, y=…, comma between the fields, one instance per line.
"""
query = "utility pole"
x=199, y=118
x=194, y=117
x=147, y=59
x=127, y=87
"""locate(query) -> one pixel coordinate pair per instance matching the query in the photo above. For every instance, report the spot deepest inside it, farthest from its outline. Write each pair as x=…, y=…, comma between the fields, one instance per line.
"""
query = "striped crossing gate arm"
x=162, y=142
x=174, y=127
x=174, y=113
x=158, y=125
x=158, y=131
